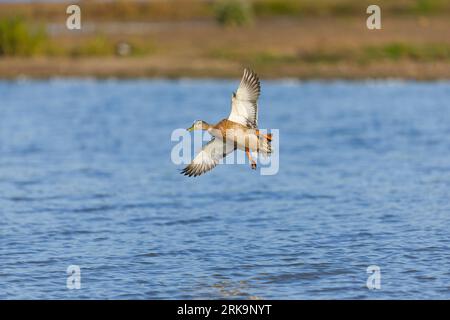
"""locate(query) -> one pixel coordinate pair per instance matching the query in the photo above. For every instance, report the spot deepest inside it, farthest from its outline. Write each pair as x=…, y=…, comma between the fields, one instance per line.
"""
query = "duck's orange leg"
x=253, y=163
x=267, y=136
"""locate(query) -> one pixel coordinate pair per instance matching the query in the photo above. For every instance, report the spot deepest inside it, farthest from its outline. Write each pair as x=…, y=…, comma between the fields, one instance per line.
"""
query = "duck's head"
x=199, y=125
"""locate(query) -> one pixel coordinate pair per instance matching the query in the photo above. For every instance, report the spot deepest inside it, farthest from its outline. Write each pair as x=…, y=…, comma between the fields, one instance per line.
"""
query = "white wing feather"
x=244, y=103
x=208, y=157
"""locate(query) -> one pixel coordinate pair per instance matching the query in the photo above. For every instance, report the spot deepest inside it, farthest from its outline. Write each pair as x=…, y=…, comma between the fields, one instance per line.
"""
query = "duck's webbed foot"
x=252, y=162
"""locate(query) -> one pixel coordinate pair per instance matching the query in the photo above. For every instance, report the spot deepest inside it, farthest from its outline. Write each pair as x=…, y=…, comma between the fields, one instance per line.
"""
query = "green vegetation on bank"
x=19, y=38
x=233, y=13
x=394, y=51
x=347, y=7
x=417, y=52
x=101, y=45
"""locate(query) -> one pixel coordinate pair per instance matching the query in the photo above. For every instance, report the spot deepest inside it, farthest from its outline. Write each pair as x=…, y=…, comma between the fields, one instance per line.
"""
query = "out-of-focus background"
x=197, y=38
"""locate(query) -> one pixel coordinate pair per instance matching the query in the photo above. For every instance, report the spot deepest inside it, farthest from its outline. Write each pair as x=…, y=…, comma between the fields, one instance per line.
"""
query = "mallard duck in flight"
x=239, y=131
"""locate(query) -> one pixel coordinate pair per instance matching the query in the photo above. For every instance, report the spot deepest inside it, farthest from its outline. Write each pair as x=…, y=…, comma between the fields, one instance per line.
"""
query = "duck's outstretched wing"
x=244, y=103
x=208, y=157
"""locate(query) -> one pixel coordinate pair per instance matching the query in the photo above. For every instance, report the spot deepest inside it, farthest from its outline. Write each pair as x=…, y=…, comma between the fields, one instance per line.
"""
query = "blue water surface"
x=86, y=179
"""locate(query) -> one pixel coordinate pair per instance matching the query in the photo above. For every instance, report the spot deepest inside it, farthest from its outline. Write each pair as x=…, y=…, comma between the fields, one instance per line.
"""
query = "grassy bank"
x=319, y=39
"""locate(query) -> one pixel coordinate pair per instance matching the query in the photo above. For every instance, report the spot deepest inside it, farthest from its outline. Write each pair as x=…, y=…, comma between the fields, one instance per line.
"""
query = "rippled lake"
x=86, y=179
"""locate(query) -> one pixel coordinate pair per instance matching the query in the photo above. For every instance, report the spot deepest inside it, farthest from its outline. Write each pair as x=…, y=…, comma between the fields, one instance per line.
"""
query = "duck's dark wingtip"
x=187, y=172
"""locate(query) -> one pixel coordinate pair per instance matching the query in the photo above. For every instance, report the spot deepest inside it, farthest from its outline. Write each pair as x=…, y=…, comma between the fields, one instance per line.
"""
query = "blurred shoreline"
x=103, y=68
x=325, y=39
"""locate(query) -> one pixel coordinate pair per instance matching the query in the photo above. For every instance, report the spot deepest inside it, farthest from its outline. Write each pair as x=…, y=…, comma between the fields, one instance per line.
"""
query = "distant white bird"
x=239, y=131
